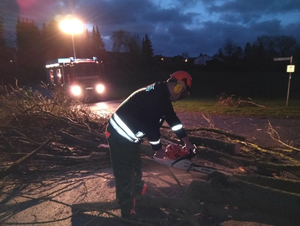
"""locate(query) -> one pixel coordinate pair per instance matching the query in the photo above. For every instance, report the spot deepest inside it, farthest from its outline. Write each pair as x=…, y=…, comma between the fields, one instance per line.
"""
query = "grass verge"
x=260, y=108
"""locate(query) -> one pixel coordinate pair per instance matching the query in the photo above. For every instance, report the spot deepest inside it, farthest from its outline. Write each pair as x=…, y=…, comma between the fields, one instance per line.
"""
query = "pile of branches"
x=225, y=100
x=51, y=129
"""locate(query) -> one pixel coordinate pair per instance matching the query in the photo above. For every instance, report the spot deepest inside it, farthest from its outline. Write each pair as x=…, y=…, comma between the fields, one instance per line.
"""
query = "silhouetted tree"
x=97, y=43
x=2, y=43
x=248, y=52
x=147, y=52
x=100, y=40
x=29, y=50
x=3, y=63
x=220, y=53
x=119, y=39
x=28, y=42
x=134, y=44
x=2, y=40
x=238, y=54
x=297, y=53
x=229, y=48
x=277, y=46
x=124, y=41
x=86, y=45
x=259, y=52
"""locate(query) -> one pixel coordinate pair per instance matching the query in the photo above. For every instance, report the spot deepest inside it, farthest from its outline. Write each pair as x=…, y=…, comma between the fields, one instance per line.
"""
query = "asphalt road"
x=106, y=107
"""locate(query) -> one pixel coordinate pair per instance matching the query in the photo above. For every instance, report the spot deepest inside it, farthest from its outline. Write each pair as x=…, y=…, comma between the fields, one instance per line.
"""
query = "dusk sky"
x=173, y=26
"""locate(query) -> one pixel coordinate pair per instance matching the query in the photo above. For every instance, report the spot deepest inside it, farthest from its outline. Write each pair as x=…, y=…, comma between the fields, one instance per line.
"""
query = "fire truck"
x=82, y=77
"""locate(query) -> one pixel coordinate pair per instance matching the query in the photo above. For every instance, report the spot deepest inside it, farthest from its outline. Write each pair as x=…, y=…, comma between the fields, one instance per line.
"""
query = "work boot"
x=142, y=193
x=132, y=211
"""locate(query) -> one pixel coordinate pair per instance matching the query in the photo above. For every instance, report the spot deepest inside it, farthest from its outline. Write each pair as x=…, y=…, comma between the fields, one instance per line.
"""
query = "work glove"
x=188, y=146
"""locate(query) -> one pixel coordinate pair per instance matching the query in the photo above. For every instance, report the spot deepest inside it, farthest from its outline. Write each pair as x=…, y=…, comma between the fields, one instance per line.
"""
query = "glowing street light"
x=72, y=26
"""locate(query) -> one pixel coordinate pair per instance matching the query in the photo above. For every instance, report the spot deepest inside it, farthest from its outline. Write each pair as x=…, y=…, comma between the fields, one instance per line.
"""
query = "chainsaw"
x=180, y=158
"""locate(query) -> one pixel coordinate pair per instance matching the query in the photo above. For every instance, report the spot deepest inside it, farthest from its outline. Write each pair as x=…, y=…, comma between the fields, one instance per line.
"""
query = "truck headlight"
x=76, y=90
x=100, y=88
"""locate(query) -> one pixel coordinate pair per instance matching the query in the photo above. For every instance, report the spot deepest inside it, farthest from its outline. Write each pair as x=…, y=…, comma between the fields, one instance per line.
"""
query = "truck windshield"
x=86, y=69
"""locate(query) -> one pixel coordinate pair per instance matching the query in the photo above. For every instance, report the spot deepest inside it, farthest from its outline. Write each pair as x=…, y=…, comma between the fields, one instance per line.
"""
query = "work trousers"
x=127, y=169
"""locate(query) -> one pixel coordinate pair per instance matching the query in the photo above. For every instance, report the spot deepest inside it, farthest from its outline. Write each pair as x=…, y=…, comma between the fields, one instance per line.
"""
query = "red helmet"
x=173, y=151
x=183, y=76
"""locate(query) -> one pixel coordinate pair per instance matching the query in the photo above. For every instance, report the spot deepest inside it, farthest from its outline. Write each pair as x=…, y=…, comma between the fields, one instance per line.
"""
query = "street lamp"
x=71, y=26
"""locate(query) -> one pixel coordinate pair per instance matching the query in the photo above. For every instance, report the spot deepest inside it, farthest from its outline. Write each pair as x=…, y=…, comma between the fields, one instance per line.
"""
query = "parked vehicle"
x=82, y=77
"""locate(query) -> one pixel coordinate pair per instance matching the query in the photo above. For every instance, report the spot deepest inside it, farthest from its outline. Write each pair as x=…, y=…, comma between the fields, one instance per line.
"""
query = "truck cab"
x=82, y=77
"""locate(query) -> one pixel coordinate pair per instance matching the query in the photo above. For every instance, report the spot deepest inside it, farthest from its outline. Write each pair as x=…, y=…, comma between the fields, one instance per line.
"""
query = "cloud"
x=256, y=6
x=173, y=26
x=293, y=30
x=271, y=27
x=251, y=11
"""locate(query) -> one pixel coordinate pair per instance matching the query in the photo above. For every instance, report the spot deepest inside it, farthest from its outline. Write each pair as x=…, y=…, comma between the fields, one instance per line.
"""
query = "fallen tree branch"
x=9, y=169
x=272, y=132
x=72, y=123
x=71, y=159
x=274, y=153
x=79, y=141
x=231, y=148
x=292, y=186
x=9, y=143
x=253, y=162
x=63, y=119
x=255, y=104
x=91, y=133
x=231, y=135
x=23, y=135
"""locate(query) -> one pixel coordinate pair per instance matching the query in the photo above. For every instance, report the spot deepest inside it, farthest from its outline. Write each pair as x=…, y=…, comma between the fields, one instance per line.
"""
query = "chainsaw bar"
x=203, y=169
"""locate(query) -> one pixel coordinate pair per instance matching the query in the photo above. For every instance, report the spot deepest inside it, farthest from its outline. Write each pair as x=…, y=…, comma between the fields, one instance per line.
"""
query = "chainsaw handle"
x=189, y=156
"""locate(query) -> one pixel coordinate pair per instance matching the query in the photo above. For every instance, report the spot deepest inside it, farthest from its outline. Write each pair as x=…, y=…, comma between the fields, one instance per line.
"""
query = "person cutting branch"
x=142, y=115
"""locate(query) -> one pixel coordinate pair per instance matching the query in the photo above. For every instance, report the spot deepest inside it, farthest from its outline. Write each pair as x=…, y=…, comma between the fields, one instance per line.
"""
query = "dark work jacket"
x=145, y=111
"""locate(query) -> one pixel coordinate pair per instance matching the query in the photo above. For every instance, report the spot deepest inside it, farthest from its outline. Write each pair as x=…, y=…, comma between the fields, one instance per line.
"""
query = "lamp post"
x=71, y=26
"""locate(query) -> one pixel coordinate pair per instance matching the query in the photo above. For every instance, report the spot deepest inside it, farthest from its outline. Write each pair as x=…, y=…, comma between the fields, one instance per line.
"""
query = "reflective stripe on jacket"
x=123, y=129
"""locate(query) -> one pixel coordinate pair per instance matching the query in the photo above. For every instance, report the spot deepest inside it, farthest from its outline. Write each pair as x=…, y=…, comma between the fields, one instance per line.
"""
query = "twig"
x=209, y=120
x=40, y=222
x=257, y=147
x=23, y=135
x=272, y=132
x=218, y=132
x=253, y=162
x=9, y=142
x=255, y=104
x=73, y=139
